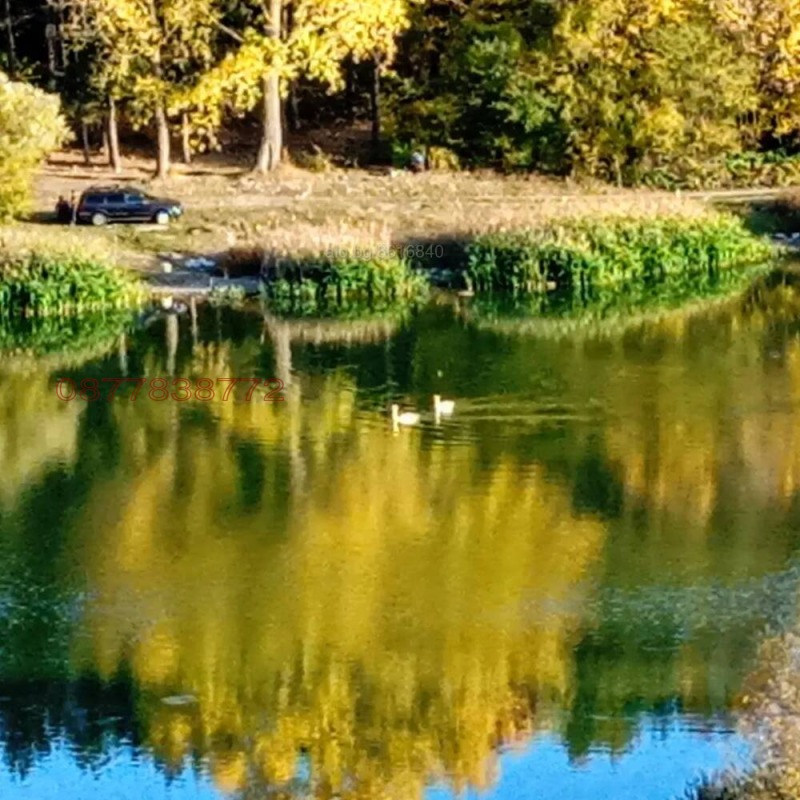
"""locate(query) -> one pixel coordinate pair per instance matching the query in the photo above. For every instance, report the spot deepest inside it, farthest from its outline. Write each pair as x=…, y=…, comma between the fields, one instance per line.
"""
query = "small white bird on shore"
x=407, y=418
x=443, y=407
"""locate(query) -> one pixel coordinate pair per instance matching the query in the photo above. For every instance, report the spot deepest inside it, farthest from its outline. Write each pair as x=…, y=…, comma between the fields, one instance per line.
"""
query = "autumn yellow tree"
x=144, y=52
x=290, y=39
x=632, y=92
x=768, y=33
x=31, y=126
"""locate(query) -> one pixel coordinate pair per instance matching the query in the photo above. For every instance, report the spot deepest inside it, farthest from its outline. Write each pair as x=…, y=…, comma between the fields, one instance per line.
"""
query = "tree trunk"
x=163, y=157
x=62, y=40
x=292, y=106
x=350, y=90
x=375, y=106
x=269, y=153
x=87, y=151
x=186, y=142
x=12, y=45
x=112, y=134
x=162, y=123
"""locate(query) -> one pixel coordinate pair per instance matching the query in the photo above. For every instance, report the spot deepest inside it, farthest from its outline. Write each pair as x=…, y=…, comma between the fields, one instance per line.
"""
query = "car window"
x=92, y=199
x=113, y=199
x=134, y=199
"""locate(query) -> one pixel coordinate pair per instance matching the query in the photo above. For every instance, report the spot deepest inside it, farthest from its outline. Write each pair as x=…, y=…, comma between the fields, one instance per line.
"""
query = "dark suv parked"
x=99, y=206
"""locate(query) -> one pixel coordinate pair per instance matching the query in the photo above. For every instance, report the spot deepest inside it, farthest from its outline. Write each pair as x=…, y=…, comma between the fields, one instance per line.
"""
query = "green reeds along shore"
x=59, y=284
x=578, y=254
x=331, y=281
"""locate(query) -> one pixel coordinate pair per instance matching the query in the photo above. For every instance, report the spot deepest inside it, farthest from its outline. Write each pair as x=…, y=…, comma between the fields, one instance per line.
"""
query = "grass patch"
x=338, y=282
x=45, y=284
x=297, y=212
x=584, y=254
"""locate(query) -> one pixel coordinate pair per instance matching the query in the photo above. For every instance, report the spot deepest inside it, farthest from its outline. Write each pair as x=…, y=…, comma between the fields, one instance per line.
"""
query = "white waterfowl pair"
x=441, y=408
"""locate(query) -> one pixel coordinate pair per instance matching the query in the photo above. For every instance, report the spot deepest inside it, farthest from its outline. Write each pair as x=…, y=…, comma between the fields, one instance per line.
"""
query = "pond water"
x=556, y=592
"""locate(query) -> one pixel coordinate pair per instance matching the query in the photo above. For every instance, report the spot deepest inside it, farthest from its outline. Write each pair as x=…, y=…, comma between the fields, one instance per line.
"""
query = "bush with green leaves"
x=31, y=126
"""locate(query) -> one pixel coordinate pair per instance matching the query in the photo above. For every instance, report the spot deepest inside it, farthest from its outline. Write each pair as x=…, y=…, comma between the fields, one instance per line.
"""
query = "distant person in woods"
x=417, y=162
x=73, y=208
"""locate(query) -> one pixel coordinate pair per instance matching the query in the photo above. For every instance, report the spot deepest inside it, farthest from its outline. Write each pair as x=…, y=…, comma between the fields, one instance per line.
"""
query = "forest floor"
x=300, y=211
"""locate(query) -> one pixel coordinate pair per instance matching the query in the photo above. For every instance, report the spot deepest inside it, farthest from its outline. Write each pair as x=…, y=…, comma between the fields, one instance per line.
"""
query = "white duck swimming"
x=406, y=418
x=443, y=407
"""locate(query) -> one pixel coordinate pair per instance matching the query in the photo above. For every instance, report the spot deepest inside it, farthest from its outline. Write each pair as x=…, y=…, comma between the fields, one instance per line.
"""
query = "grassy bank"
x=603, y=253
x=294, y=218
x=297, y=212
x=59, y=284
x=48, y=276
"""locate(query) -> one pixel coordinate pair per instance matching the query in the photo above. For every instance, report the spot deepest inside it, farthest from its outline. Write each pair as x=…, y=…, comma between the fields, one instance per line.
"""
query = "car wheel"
x=162, y=217
x=99, y=219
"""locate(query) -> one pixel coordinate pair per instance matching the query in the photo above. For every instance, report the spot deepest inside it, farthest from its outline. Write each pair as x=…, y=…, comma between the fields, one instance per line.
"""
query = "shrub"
x=735, y=170
x=314, y=161
x=31, y=126
x=442, y=159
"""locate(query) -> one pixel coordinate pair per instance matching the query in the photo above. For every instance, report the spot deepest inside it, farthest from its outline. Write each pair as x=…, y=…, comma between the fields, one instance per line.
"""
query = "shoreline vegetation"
x=580, y=255
x=51, y=273
x=56, y=277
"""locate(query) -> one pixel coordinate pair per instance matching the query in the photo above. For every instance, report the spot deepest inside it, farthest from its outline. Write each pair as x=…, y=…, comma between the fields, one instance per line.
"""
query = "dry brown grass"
x=296, y=211
x=25, y=238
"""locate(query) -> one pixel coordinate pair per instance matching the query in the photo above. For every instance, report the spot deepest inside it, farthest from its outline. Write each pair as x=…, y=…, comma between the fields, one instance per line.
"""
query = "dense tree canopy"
x=664, y=92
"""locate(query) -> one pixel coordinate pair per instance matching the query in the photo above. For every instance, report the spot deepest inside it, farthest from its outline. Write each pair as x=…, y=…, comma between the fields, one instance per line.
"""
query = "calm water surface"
x=557, y=592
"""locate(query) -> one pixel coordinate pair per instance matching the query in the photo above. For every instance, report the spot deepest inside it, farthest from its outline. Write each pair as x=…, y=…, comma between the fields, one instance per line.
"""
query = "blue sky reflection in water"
x=576, y=571
x=664, y=760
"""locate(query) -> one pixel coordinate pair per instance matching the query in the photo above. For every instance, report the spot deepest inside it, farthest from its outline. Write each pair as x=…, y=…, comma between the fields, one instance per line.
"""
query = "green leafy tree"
x=488, y=105
x=767, y=32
